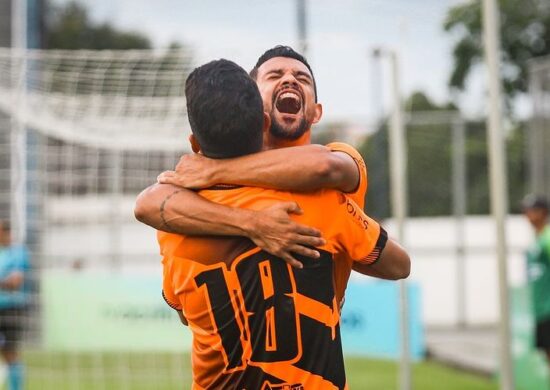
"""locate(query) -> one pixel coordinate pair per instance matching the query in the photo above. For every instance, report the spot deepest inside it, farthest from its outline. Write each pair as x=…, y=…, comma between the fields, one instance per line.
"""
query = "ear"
x=318, y=113
x=267, y=123
x=194, y=144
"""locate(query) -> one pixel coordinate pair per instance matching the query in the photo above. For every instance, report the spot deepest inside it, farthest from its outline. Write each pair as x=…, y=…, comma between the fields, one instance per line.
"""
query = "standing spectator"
x=538, y=269
x=14, y=264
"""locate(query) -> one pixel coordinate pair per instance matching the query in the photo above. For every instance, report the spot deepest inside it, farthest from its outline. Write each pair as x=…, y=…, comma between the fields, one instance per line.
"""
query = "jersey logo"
x=354, y=211
x=283, y=386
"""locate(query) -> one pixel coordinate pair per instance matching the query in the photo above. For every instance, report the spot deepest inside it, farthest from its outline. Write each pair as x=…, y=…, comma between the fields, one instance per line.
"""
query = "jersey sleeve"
x=545, y=241
x=20, y=259
x=360, y=236
x=167, y=285
x=358, y=195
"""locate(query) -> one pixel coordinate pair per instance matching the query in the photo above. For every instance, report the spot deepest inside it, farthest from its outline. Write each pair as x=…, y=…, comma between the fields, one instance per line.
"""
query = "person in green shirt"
x=536, y=209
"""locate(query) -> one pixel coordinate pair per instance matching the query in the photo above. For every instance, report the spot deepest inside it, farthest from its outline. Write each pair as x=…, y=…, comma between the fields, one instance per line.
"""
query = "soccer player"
x=289, y=96
x=536, y=210
x=257, y=322
x=14, y=263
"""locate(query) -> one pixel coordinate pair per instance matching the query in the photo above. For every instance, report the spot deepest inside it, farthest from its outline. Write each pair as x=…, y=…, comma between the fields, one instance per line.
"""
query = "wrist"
x=247, y=222
x=214, y=173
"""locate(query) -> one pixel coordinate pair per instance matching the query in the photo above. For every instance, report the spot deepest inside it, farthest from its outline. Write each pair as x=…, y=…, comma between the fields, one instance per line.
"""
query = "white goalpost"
x=84, y=132
x=131, y=100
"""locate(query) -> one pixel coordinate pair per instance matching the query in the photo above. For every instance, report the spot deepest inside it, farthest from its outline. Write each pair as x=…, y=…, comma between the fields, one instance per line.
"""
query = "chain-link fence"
x=538, y=146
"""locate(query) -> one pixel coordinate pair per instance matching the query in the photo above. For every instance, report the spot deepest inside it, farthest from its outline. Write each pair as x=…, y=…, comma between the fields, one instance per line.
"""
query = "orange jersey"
x=358, y=195
x=342, y=268
x=257, y=322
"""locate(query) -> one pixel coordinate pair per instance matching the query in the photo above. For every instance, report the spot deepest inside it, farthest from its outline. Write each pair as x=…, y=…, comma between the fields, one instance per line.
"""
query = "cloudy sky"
x=341, y=36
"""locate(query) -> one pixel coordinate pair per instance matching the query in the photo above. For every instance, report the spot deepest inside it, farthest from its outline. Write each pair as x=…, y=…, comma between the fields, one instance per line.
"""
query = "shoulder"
x=20, y=251
x=19, y=255
x=254, y=198
x=320, y=207
x=360, y=191
x=346, y=148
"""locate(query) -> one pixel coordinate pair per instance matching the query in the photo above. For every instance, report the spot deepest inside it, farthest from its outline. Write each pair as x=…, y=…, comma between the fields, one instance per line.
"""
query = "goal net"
x=81, y=134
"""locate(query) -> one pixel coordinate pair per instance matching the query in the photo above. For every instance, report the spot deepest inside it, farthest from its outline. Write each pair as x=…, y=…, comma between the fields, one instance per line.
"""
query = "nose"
x=288, y=79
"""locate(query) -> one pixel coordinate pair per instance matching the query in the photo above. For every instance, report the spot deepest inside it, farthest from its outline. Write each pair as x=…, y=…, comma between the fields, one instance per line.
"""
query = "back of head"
x=5, y=233
x=532, y=201
x=282, y=51
x=225, y=110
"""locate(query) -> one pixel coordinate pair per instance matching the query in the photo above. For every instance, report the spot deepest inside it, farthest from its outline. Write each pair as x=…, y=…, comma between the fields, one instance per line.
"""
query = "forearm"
x=304, y=168
x=176, y=210
x=12, y=282
x=393, y=264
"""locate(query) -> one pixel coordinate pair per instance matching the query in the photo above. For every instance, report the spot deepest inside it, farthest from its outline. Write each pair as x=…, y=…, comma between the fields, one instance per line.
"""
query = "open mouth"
x=288, y=103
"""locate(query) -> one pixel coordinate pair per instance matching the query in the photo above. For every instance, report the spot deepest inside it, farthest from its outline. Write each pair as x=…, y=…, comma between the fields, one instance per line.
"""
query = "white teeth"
x=289, y=94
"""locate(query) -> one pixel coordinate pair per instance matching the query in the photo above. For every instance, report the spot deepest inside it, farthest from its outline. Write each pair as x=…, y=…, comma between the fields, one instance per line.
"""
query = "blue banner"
x=371, y=320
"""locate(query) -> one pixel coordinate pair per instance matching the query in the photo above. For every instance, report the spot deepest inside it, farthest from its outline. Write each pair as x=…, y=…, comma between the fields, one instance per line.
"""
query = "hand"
x=275, y=232
x=194, y=171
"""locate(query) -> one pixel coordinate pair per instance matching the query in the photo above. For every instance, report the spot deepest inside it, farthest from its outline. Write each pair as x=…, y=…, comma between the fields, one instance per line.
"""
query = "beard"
x=285, y=132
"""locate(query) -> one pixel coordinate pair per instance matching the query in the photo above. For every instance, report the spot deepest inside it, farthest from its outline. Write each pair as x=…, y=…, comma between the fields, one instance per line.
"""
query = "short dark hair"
x=225, y=109
x=533, y=201
x=5, y=225
x=282, y=51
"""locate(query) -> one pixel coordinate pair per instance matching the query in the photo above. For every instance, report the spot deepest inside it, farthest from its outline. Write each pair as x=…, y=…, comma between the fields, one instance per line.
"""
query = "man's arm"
x=177, y=210
x=393, y=264
x=182, y=318
x=368, y=244
x=300, y=168
x=13, y=281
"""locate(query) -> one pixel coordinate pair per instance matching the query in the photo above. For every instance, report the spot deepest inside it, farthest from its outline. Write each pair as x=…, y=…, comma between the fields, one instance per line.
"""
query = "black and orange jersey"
x=258, y=323
x=359, y=193
x=342, y=267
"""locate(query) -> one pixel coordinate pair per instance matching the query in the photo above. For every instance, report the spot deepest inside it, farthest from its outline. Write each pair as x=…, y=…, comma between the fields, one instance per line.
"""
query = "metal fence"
x=539, y=132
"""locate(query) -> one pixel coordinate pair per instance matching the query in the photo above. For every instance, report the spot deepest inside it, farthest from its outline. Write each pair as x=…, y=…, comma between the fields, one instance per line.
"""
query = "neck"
x=540, y=227
x=276, y=143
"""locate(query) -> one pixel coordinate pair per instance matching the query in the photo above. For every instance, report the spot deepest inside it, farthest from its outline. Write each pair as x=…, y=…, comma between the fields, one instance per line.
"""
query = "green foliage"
x=70, y=28
x=429, y=164
x=524, y=34
x=328, y=132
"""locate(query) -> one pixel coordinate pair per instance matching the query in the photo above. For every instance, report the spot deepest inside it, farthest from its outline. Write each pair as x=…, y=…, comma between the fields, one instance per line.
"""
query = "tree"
x=525, y=33
x=70, y=28
x=429, y=165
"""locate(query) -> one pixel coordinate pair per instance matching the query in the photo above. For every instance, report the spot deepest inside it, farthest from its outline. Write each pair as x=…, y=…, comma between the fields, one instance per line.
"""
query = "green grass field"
x=140, y=371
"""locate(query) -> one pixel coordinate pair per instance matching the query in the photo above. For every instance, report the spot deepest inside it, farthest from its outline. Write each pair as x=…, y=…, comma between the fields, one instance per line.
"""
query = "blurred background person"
x=535, y=209
x=14, y=264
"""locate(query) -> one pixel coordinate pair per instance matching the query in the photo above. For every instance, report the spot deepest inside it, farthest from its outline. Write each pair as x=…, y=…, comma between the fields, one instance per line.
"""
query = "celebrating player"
x=289, y=95
x=257, y=322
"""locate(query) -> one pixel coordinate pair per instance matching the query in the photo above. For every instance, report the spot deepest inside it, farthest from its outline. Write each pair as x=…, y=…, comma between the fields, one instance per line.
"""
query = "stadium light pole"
x=301, y=18
x=498, y=187
x=18, y=154
x=398, y=179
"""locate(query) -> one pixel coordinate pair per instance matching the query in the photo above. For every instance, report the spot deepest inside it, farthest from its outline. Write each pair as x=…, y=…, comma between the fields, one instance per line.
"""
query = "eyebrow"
x=296, y=73
x=302, y=73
